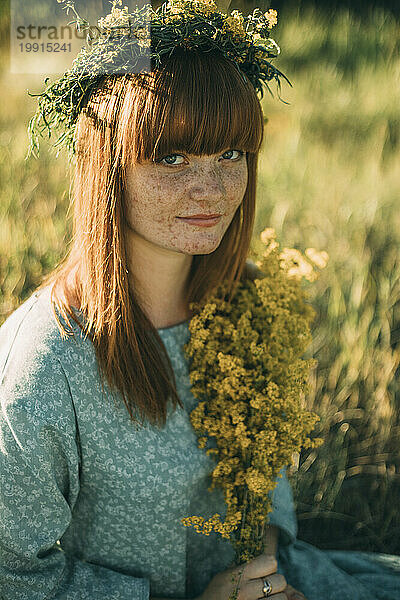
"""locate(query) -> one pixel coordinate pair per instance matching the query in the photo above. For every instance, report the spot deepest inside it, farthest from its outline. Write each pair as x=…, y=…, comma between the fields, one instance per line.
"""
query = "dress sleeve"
x=39, y=485
x=283, y=515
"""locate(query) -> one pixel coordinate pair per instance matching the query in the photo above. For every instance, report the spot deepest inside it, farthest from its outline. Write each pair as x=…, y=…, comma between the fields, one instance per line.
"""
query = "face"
x=179, y=185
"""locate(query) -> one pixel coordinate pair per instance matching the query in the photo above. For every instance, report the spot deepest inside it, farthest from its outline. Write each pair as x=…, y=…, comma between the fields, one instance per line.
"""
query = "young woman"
x=98, y=459
x=74, y=466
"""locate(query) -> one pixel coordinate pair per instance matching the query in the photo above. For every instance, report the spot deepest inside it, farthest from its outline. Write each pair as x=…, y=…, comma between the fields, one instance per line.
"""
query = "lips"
x=201, y=221
x=200, y=216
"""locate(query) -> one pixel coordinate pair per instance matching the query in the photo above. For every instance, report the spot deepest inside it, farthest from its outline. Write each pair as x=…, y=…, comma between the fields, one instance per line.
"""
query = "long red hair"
x=199, y=103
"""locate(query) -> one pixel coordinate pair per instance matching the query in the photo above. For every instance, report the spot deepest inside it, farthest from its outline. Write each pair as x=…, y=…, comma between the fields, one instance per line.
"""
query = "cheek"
x=146, y=199
x=236, y=185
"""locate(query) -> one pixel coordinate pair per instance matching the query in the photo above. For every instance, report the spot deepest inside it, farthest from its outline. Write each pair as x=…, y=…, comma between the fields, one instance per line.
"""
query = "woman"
x=135, y=263
x=92, y=491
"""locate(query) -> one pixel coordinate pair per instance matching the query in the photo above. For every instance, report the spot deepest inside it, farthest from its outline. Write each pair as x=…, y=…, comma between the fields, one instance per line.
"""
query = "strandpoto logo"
x=48, y=32
x=45, y=40
x=61, y=32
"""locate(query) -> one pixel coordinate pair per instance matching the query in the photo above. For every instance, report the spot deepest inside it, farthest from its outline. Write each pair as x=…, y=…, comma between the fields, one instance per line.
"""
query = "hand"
x=247, y=579
x=293, y=594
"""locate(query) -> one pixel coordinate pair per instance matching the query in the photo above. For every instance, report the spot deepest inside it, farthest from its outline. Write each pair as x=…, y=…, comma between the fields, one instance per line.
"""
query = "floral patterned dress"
x=90, y=503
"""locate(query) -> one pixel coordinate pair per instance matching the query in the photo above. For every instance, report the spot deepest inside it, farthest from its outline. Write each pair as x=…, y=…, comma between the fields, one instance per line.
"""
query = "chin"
x=201, y=248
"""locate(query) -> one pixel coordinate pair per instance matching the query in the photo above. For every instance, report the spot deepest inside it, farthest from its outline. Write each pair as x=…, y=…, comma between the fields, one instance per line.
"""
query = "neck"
x=159, y=278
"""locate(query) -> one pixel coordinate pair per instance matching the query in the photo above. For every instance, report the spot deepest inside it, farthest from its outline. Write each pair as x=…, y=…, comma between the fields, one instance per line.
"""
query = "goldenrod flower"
x=247, y=371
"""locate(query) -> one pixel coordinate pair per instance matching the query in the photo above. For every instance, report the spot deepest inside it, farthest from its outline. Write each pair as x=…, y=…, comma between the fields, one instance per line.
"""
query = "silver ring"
x=267, y=588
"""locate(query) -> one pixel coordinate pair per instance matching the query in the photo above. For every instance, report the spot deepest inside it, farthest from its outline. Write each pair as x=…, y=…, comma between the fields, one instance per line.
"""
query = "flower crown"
x=125, y=39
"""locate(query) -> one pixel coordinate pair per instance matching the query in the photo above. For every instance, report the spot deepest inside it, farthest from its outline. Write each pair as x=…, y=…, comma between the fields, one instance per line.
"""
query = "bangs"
x=198, y=103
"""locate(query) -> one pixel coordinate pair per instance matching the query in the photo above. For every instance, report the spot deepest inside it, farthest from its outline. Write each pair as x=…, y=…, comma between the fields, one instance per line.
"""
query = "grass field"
x=328, y=179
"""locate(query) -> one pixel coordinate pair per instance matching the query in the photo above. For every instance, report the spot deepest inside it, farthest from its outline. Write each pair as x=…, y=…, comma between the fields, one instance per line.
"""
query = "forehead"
x=199, y=112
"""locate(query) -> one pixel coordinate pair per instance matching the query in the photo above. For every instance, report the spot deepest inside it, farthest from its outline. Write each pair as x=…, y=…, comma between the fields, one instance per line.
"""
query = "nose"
x=207, y=187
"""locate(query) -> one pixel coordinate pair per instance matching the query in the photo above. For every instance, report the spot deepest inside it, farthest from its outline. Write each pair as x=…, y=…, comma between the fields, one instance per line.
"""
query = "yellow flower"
x=143, y=36
x=272, y=17
x=237, y=15
x=246, y=361
x=190, y=7
x=258, y=37
x=256, y=481
x=267, y=235
x=296, y=265
x=268, y=238
x=118, y=17
x=318, y=258
x=235, y=24
x=259, y=54
x=207, y=7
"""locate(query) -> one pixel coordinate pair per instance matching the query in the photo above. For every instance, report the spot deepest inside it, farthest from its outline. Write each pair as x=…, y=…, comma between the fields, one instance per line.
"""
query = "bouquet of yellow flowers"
x=247, y=371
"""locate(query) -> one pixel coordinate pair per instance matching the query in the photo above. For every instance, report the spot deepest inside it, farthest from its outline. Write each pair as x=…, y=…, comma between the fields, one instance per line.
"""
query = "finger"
x=262, y=565
x=254, y=586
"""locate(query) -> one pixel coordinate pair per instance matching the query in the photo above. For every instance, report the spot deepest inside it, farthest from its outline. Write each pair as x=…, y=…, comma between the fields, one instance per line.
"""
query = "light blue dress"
x=90, y=503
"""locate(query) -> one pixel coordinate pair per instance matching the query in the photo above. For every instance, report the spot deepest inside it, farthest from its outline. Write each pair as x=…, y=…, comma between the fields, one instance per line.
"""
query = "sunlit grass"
x=329, y=179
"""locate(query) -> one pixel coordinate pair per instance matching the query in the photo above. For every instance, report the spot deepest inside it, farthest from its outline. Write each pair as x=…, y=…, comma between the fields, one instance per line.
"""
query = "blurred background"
x=329, y=178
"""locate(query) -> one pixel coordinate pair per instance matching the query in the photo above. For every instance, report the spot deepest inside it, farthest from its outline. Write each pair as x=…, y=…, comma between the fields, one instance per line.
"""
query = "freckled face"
x=179, y=185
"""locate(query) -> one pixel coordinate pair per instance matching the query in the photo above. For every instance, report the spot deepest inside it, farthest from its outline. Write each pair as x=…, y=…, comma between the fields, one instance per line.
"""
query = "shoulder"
x=32, y=354
x=31, y=331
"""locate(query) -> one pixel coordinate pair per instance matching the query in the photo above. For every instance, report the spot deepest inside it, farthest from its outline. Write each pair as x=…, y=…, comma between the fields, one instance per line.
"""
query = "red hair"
x=196, y=102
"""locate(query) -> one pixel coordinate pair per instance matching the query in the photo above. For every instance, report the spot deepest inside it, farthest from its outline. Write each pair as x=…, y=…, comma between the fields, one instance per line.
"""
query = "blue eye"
x=171, y=158
x=238, y=151
x=168, y=156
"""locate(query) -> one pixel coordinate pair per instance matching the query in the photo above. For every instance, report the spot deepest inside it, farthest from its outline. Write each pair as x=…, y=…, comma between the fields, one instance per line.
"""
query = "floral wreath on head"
x=122, y=40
